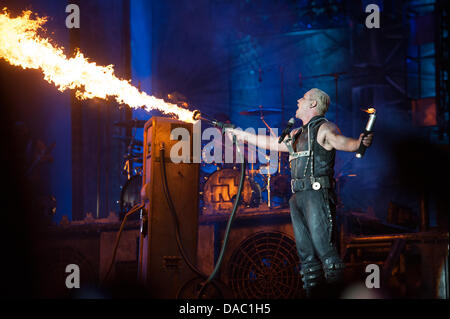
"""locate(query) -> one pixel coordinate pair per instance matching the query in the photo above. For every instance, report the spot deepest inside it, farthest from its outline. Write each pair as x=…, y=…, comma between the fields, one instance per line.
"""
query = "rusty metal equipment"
x=161, y=266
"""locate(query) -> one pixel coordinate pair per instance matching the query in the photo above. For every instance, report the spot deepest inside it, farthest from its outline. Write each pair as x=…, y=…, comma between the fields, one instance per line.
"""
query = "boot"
x=333, y=268
x=312, y=277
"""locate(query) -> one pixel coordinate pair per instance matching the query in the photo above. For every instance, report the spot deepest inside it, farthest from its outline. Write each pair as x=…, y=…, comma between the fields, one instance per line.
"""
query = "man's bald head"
x=323, y=100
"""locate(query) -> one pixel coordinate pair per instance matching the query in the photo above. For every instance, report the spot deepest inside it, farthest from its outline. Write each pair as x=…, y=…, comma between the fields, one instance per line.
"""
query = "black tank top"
x=323, y=160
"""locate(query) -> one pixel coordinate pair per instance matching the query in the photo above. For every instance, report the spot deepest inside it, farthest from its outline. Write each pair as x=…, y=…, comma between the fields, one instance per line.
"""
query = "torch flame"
x=370, y=110
x=20, y=45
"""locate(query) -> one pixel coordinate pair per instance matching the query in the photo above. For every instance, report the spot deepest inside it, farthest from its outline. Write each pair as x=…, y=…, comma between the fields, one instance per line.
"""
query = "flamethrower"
x=372, y=117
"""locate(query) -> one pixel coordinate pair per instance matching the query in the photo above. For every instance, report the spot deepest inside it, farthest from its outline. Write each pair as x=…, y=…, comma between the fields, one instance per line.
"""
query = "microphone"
x=287, y=130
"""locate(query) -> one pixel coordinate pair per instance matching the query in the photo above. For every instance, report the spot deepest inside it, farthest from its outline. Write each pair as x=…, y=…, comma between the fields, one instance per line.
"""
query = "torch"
x=362, y=148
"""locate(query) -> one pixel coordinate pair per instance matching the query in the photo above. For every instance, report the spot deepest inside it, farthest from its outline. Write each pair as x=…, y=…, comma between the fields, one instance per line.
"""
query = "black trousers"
x=313, y=215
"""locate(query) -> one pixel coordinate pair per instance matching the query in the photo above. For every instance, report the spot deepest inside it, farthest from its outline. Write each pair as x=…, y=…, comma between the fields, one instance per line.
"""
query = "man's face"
x=303, y=104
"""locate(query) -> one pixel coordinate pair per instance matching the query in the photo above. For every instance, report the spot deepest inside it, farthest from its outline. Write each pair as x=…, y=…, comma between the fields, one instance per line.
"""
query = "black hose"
x=119, y=233
x=227, y=231
x=174, y=216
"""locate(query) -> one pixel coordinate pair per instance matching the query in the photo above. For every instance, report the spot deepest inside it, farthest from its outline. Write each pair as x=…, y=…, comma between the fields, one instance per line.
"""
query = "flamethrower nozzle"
x=198, y=116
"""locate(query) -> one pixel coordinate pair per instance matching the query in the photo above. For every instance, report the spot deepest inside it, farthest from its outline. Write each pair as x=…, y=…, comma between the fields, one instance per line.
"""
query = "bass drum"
x=130, y=196
x=221, y=189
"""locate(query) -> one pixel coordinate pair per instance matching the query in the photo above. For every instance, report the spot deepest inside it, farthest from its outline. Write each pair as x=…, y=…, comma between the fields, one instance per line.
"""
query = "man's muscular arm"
x=329, y=137
x=262, y=141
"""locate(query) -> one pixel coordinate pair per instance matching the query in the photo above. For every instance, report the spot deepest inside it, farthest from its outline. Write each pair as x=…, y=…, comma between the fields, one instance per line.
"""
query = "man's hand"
x=366, y=140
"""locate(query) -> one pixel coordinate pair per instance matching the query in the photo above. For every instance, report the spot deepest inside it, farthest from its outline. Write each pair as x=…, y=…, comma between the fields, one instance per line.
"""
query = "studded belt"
x=315, y=183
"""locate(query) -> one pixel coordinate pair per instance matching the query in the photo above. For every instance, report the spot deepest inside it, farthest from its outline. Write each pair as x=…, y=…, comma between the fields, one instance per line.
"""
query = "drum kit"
x=218, y=181
x=264, y=183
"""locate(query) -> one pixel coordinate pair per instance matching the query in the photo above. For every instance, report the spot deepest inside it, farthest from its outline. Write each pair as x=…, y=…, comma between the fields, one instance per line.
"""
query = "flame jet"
x=20, y=45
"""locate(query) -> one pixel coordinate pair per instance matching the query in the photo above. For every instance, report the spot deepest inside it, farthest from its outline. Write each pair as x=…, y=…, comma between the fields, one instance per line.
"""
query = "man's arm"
x=262, y=141
x=329, y=137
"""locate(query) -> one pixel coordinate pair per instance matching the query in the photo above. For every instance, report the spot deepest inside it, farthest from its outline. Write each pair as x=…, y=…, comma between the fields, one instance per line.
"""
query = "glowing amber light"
x=20, y=45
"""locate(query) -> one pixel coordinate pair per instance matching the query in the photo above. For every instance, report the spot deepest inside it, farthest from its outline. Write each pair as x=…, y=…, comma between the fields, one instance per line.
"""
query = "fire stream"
x=20, y=45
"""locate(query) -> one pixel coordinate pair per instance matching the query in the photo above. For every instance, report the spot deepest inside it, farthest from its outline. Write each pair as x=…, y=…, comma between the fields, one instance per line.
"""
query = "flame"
x=20, y=45
x=370, y=110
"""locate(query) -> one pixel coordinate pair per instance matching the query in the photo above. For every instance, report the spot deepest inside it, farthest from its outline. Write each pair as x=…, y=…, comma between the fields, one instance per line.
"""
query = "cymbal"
x=258, y=111
x=132, y=123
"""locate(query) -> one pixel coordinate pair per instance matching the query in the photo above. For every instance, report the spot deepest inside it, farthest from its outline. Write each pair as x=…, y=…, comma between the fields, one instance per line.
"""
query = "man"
x=312, y=151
